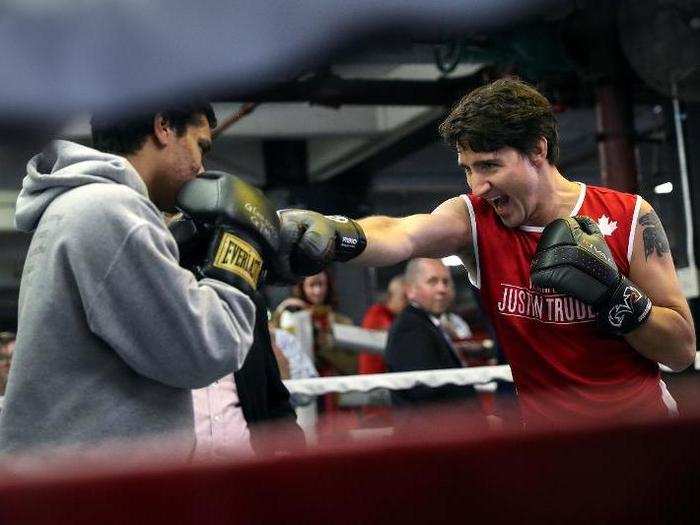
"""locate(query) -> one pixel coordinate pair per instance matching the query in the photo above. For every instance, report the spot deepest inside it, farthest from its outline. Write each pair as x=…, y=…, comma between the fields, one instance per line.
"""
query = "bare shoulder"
x=455, y=207
x=445, y=231
x=455, y=213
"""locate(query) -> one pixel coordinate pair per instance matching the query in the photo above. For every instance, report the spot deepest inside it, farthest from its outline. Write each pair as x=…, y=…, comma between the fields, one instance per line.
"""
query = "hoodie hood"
x=65, y=165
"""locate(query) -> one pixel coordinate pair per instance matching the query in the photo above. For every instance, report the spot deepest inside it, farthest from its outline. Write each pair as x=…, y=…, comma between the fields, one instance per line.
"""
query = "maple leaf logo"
x=606, y=226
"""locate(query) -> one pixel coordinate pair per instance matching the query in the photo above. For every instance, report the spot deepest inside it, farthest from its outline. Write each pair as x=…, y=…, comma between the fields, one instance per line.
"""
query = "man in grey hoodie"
x=113, y=334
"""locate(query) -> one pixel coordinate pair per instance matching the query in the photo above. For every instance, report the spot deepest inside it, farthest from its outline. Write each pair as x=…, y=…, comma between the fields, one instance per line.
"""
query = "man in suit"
x=417, y=340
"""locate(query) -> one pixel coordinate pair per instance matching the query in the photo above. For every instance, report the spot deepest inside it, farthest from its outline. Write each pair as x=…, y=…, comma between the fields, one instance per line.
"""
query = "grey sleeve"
x=160, y=320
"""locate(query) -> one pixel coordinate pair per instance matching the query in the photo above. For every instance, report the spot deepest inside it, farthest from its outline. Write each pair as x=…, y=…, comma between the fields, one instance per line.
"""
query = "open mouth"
x=500, y=202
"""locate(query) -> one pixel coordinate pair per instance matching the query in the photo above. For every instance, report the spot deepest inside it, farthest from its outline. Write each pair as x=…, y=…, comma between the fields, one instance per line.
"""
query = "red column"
x=618, y=160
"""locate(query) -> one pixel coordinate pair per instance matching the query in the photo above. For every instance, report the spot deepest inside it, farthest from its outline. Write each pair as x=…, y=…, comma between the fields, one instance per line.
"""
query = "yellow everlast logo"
x=237, y=256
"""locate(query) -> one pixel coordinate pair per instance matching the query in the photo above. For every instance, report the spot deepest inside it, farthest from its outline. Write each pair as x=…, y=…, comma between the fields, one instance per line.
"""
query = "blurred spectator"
x=7, y=346
x=475, y=352
x=417, y=340
x=282, y=361
x=317, y=294
x=228, y=413
x=470, y=352
x=298, y=364
x=379, y=316
x=219, y=424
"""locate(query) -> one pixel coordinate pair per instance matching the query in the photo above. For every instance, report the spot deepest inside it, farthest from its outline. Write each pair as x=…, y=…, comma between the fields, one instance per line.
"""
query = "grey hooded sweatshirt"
x=112, y=333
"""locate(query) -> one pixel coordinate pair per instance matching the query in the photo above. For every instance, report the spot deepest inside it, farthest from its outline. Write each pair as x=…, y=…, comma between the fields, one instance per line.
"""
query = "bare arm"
x=668, y=336
x=445, y=231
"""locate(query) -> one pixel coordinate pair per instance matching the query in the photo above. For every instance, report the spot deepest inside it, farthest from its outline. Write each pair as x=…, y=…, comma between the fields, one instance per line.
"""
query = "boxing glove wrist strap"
x=350, y=240
x=626, y=308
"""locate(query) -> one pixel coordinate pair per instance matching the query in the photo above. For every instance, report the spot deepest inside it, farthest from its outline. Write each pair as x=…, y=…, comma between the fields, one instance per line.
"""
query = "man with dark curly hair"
x=578, y=280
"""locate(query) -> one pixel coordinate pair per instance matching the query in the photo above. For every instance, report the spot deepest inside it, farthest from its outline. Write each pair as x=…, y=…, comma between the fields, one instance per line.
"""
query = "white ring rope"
x=399, y=380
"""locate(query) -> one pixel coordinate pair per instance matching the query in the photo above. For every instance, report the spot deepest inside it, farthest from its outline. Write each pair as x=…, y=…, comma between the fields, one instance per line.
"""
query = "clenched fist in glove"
x=573, y=258
x=229, y=230
x=311, y=241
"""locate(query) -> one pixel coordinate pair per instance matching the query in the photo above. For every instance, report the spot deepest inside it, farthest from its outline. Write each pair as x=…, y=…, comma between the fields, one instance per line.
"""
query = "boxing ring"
x=444, y=469
x=438, y=466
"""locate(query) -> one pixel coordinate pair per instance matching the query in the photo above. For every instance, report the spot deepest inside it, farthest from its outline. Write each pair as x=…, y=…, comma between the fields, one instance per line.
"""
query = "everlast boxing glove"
x=192, y=241
x=573, y=258
x=228, y=230
x=310, y=241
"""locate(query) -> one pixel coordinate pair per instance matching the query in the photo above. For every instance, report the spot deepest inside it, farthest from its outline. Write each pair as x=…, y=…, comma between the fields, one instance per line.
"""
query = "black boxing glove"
x=572, y=257
x=192, y=241
x=311, y=241
x=237, y=224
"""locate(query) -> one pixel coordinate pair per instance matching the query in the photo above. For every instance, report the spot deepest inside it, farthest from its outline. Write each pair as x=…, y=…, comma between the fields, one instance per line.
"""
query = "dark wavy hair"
x=507, y=112
x=124, y=135
x=331, y=298
x=7, y=337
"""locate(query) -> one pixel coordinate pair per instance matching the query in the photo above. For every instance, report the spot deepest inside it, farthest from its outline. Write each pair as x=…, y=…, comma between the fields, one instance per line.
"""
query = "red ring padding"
x=632, y=473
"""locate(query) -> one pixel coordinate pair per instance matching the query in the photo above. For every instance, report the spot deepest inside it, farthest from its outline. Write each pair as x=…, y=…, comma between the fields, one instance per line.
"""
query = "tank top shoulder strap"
x=616, y=214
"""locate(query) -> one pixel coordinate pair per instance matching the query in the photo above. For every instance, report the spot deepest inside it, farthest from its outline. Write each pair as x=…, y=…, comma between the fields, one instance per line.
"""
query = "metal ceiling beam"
x=334, y=91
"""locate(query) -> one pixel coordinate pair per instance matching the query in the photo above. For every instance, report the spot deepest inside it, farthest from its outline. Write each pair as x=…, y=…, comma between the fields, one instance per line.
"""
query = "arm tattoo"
x=654, y=235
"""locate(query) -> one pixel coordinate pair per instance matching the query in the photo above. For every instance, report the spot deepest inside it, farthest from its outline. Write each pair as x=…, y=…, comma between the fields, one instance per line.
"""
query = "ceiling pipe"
x=334, y=91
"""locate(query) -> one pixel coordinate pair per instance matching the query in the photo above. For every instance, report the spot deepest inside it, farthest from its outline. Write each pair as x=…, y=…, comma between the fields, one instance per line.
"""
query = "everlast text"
x=237, y=256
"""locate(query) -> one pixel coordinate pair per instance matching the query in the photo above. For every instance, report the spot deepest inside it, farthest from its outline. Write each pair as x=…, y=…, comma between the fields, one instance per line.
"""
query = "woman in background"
x=316, y=293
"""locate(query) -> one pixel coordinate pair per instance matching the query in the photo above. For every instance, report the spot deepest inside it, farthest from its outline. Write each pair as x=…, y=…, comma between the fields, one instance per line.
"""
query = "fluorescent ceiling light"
x=666, y=187
x=452, y=260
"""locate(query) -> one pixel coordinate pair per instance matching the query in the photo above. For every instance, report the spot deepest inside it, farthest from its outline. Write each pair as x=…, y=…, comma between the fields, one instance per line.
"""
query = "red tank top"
x=564, y=368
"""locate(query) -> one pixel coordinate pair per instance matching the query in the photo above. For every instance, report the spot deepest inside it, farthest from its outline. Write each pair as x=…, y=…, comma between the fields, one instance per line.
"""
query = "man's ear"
x=410, y=292
x=539, y=154
x=162, y=131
